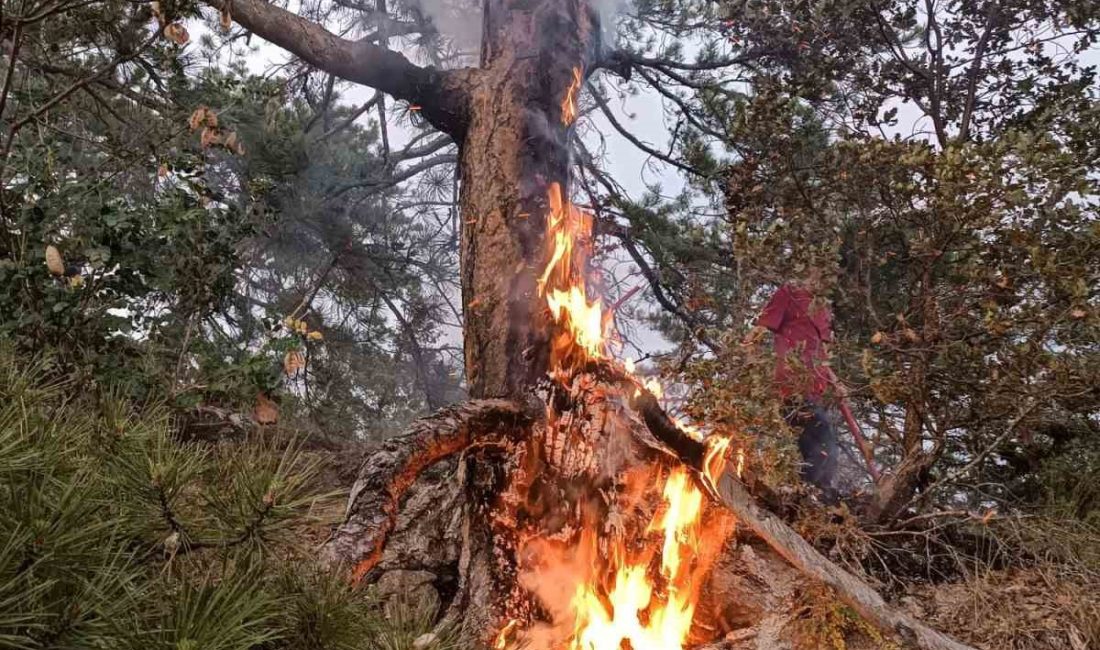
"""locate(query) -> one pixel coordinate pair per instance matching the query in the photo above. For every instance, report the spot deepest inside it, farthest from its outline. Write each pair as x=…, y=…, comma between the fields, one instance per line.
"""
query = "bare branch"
x=441, y=93
x=601, y=102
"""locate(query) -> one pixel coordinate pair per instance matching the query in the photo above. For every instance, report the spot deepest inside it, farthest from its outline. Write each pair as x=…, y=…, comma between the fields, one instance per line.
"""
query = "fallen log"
x=782, y=538
x=849, y=588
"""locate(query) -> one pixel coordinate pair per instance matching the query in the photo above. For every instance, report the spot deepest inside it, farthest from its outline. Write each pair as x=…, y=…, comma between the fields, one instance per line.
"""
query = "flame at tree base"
x=622, y=584
x=622, y=565
x=632, y=606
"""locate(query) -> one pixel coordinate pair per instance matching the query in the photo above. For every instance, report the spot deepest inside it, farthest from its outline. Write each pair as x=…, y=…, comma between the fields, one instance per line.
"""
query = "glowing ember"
x=504, y=639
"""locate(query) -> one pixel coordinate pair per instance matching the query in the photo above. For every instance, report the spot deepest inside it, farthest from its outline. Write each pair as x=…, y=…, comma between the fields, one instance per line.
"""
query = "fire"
x=633, y=607
x=637, y=590
x=504, y=638
x=564, y=285
x=569, y=103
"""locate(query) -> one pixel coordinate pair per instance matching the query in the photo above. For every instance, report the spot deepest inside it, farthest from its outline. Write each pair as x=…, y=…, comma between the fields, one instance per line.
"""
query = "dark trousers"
x=817, y=442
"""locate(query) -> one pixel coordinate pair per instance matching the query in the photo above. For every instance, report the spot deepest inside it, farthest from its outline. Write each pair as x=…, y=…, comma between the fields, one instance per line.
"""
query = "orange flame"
x=569, y=103
x=504, y=638
x=608, y=593
x=717, y=457
x=632, y=607
x=564, y=286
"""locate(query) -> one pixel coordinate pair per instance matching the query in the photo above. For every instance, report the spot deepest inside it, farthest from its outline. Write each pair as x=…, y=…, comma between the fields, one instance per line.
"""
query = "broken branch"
x=856, y=593
x=801, y=554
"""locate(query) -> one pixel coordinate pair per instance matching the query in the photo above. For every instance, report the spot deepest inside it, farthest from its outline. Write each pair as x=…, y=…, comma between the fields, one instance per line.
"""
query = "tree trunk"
x=514, y=147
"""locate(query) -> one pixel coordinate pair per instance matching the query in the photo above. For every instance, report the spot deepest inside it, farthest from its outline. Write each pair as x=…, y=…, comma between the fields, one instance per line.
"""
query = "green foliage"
x=195, y=206
x=115, y=534
x=939, y=170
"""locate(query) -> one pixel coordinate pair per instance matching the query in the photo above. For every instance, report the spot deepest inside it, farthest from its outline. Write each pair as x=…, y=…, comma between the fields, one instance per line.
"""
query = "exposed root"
x=389, y=471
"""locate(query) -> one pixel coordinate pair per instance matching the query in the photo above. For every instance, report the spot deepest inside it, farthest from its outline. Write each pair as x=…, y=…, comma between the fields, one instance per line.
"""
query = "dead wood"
x=852, y=590
x=801, y=554
x=389, y=471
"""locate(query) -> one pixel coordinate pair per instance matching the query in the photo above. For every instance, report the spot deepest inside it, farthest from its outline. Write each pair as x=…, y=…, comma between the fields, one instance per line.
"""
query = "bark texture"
x=389, y=472
x=515, y=147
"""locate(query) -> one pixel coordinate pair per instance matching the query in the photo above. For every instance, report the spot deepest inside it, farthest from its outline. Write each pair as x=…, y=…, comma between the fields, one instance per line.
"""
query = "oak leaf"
x=177, y=33
x=198, y=116
x=293, y=362
x=209, y=137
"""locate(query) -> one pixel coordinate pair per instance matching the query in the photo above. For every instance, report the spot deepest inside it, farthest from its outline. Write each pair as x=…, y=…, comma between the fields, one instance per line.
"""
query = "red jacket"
x=801, y=327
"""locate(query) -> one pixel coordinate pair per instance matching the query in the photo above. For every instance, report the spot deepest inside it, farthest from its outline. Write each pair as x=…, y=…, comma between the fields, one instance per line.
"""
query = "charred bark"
x=516, y=146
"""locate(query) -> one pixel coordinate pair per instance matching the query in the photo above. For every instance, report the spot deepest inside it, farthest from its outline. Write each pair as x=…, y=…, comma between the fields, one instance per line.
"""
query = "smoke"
x=608, y=11
x=459, y=21
x=552, y=571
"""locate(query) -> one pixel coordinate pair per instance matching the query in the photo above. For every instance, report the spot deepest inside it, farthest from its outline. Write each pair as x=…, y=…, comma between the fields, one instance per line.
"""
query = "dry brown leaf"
x=233, y=144
x=177, y=33
x=265, y=411
x=1077, y=313
x=209, y=137
x=911, y=335
x=54, y=262
x=198, y=116
x=225, y=18
x=293, y=362
x=877, y=338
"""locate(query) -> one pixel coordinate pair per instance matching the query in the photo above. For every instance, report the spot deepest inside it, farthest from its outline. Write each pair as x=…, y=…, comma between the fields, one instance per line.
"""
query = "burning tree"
x=582, y=515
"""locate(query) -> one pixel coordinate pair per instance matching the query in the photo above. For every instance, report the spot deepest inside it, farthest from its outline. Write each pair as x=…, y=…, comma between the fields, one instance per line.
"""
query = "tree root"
x=389, y=471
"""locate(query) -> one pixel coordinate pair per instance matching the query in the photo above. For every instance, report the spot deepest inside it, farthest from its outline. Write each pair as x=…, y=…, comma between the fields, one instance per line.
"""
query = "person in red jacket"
x=802, y=328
